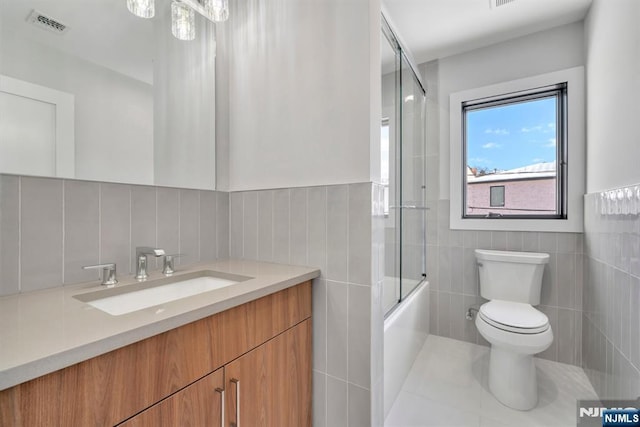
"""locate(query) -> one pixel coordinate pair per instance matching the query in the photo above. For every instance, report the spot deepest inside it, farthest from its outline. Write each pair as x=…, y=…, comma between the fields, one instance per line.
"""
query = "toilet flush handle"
x=480, y=264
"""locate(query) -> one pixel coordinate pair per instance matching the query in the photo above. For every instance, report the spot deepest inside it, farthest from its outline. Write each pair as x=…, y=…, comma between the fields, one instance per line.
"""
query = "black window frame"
x=560, y=92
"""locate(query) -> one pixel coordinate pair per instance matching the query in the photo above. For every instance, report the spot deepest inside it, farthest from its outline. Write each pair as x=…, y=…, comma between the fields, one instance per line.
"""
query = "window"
x=527, y=136
x=516, y=141
x=496, y=196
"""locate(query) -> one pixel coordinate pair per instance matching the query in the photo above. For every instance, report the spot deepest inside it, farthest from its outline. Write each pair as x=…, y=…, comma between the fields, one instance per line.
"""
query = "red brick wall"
x=525, y=197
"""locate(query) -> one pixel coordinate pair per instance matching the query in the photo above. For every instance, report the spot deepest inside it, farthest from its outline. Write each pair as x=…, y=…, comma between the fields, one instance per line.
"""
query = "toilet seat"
x=514, y=317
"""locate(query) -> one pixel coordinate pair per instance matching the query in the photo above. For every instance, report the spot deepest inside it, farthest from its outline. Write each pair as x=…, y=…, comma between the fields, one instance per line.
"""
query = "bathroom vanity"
x=246, y=365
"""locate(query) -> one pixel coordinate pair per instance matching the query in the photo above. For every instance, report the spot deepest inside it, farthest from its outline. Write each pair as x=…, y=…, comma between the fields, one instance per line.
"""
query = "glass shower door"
x=403, y=164
x=412, y=181
x=390, y=167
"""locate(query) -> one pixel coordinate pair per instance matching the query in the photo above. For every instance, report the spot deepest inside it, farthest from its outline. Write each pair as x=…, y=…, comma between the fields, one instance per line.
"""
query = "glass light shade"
x=142, y=8
x=183, y=21
x=218, y=10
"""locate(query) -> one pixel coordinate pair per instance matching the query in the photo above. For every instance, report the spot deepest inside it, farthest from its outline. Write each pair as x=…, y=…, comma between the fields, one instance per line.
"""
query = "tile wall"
x=452, y=272
x=50, y=228
x=329, y=227
x=611, y=321
x=451, y=268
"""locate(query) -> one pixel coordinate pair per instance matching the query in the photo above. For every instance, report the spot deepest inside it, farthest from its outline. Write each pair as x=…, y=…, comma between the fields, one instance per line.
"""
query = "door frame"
x=65, y=110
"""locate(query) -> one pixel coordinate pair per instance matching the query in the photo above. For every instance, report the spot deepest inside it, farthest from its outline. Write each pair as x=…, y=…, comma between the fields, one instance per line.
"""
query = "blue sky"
x=512, y=136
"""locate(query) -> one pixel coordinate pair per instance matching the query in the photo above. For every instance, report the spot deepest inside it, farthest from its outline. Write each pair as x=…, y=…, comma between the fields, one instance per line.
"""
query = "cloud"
x=497, y=131
x=551, y=125
x=532, y=129
x=537, y=160
x=490, y=145
x=479, y=160
x=551, y=143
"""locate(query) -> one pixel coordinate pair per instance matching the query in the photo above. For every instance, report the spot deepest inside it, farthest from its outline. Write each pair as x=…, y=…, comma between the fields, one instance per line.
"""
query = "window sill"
x=500, y=224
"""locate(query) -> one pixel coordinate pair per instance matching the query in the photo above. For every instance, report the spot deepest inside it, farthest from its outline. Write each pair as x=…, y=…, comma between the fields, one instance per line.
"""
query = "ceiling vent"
x=497, y=3
x=45, y=22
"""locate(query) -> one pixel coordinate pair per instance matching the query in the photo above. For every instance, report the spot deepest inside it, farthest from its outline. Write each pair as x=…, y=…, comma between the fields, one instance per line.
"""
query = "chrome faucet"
x=108, y=273
x=141, y=260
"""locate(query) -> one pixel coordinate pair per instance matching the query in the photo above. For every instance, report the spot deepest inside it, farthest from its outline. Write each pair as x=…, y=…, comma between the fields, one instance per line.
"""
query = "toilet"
x=512, y=282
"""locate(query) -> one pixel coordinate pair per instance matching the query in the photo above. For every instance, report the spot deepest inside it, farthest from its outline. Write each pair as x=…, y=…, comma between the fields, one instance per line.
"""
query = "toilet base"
x=512, y=379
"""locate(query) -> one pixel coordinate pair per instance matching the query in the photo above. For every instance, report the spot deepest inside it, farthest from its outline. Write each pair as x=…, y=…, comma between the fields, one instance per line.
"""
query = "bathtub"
x=405, y=331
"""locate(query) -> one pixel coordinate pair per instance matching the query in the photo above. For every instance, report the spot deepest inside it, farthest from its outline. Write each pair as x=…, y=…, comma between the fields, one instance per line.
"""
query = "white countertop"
x=44, y=331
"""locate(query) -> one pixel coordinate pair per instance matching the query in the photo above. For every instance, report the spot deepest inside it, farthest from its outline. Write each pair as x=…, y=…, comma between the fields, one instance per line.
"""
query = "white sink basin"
x=136, y=297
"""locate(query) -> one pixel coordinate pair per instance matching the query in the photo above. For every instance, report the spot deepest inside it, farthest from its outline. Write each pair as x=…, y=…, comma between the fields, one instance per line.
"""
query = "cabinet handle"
x=221, y=391
x=236, y=382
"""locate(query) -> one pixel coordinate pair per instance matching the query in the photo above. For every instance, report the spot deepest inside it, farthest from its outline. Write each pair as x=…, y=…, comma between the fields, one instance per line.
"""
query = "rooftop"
x=535, y=171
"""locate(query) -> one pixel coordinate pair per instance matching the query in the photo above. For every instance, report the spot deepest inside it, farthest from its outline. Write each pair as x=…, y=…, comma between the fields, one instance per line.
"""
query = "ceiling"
x=101, y=31
x=433, y=29
x=105, y=33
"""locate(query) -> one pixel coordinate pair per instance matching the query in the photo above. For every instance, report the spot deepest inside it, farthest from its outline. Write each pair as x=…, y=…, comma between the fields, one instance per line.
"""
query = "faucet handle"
x=108, y=272
x=168, y=267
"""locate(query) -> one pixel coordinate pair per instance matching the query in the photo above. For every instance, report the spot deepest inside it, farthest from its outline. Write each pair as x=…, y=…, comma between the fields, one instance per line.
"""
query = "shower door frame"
x=405, y=58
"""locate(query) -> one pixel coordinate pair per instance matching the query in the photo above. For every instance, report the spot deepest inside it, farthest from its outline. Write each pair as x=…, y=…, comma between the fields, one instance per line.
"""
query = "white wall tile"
x=223, y=225
x=319, y=399
x=359, y=335
x=359, y=406
x=143, y=225
x=359, y=234
x=81, y=231
x=337, y=329
x=265, y=225
x=41, y=225
x=337, y=402
x=317, y=228
x=115, y=223
x=236, y=220
x=281, y=226
x=250, y=225
x=9, y=234
x=168, y=227
x=319, y=310
x=514, y=241
x=337, y=232
x=565, y=336
x=208, y=226
x=298, y=217
x=189, y=227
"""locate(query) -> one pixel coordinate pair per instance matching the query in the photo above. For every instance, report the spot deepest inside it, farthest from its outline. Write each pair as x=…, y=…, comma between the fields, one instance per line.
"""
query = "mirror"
x=90, y=91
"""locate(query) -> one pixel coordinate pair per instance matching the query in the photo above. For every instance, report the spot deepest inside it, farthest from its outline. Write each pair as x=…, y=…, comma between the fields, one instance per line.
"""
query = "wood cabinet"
x=271, y=385
x=199, y=404
x=265, y=343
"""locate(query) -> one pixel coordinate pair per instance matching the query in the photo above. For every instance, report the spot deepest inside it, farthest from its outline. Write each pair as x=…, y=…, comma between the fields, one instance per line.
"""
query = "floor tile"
x=411, y=410
x=448, y=386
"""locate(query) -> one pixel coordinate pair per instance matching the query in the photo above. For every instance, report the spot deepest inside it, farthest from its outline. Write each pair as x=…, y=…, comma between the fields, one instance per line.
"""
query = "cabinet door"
x=271, y=385
x=199, y=404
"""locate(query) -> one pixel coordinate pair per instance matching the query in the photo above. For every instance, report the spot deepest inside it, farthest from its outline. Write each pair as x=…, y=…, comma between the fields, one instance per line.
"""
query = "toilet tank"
x=511, y=276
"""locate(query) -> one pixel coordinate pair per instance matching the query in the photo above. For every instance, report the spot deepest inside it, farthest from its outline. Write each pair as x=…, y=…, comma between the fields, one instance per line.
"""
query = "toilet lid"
x=514, y=317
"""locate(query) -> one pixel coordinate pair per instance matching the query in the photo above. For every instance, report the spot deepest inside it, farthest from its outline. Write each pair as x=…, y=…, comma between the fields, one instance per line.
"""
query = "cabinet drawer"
x=110, y=388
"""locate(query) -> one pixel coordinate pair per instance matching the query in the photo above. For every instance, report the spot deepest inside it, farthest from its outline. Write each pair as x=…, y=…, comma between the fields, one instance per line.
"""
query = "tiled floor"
x=448, y=386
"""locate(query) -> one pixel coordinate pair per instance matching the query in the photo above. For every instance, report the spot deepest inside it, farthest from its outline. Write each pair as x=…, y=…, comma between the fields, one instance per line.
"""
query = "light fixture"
x=183, y=21
x=183, y=24
x=142, y=8
x=218, y=10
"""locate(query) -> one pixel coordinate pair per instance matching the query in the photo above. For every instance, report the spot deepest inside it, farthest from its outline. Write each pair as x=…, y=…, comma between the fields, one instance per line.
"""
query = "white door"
x=36, y=130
